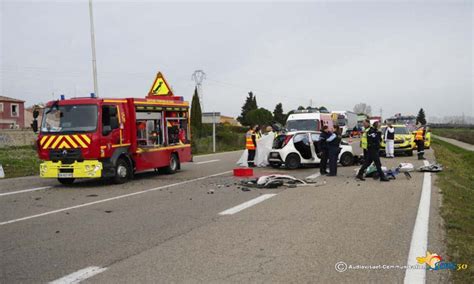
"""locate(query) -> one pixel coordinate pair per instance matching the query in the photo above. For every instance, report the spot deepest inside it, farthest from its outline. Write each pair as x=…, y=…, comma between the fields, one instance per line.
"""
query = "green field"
x=461, y=134
x=19, y=161
x=457, y=185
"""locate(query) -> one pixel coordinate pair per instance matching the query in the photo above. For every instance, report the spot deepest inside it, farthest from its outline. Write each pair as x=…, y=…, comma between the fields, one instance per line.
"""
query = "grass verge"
x=19, y=161
x=462, y=134
x=457, y=185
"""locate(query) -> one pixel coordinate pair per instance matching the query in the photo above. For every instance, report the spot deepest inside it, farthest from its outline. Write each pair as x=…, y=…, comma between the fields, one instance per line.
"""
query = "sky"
x=396, y=56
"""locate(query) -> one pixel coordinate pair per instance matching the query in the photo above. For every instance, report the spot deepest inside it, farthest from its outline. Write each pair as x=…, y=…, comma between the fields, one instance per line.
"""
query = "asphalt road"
x=167, y=228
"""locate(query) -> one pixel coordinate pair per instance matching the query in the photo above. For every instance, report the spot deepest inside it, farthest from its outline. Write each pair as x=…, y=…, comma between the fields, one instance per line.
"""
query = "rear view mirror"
x=34, y=125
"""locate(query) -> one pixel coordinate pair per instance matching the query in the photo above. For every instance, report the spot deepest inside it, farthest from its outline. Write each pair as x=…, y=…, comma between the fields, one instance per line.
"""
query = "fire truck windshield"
x=69, y=118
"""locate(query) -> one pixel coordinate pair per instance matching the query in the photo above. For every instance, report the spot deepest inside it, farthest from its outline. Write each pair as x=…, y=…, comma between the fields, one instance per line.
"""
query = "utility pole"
x=199, y=76
x=94, y=65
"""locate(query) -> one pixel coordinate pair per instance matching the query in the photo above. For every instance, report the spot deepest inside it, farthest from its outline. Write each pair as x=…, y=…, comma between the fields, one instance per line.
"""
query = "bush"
x=228, y=138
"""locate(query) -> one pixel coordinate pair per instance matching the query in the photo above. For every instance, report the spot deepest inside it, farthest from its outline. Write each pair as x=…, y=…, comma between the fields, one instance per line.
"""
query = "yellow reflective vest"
x=419, y=134
x=363, y=140
x=249, y=141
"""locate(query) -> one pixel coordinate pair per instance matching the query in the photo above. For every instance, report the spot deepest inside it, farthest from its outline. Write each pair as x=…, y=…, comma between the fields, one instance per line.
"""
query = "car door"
x=315, y=142
x=302, y=145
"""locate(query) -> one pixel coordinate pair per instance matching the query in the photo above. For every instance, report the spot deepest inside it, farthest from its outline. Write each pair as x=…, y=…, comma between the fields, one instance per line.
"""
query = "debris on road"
x=245, y=189
x=406, y=167
x=433, y=168
x=275, y=181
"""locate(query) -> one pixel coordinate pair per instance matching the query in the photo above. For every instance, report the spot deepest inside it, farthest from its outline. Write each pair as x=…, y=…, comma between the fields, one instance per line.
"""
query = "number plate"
x=65, y=175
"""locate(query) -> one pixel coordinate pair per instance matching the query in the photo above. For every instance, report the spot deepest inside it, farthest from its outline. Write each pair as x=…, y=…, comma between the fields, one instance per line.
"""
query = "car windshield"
x=302, y=124
x=399, y=130
x=69, y=118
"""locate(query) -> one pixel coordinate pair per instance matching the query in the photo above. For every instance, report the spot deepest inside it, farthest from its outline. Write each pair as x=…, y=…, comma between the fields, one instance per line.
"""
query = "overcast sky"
x=398, y=56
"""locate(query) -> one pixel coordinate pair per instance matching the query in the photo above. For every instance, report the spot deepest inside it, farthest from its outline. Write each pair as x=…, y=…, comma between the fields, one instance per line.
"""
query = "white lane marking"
x=247, y=204
x=220, y=153
x=419, y=239
x=112, y=198
x=79, y=275
x=313, y=175
x=25, y=190
x=205, y=162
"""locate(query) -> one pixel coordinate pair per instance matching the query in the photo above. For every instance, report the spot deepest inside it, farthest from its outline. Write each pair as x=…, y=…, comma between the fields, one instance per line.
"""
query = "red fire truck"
x=114, y=138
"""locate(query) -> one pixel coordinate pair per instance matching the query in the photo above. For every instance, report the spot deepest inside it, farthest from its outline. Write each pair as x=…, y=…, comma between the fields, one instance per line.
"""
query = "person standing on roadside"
x=334, y=142
x=363, y=138
x=323, y=146
x=373, y=147
x=420, y=141
x=389, y=137
x=251, y=145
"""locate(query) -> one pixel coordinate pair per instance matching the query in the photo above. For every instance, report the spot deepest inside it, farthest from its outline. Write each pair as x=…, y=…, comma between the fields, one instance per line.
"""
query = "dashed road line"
x=24, y=190
x=247, y=204
x=79, y=275
x=111, y=199
x=205, y=162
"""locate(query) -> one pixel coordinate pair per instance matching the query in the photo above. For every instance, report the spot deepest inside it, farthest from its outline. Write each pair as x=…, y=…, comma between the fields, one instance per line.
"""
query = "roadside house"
x=12, y=113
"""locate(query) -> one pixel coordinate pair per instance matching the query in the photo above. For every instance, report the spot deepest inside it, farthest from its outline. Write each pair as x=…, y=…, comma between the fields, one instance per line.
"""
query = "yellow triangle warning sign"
x=160, y=87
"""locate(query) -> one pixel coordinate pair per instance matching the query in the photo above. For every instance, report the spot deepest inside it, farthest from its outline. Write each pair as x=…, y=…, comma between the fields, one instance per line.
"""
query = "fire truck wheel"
x=66, y=181
x=173, y=167
x=122, y=171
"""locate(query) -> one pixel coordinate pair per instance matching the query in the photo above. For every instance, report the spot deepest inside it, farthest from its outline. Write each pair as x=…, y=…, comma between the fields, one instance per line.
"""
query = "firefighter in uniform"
x=363, y=138
x=420, y=141
x=251, y=145
x=373, y=146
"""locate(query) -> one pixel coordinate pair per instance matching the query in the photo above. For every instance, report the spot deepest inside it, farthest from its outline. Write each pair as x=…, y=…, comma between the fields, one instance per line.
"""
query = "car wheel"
x=66, y=181
x=347, y=159
x=292, y=161
x=173, y=166
x=275, y=165
x=122, y=171
x=409, y=153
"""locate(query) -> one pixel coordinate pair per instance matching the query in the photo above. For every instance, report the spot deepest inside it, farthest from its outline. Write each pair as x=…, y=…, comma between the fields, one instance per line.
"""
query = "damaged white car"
x=294, y=149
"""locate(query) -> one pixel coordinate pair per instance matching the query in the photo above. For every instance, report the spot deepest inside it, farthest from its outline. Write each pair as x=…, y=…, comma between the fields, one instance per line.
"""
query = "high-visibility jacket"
x=419, y=133
x=258, y=135
x=249, y=145
x=363, y=140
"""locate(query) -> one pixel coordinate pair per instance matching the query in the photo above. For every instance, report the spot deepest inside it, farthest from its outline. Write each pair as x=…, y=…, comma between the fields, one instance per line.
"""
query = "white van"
x=308, y=120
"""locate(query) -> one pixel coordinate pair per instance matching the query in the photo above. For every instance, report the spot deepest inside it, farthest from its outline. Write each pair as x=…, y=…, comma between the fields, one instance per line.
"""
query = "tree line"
x=251, y=114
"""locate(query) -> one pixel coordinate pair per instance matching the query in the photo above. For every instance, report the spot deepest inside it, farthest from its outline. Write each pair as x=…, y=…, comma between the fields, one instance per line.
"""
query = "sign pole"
x=94, y=65
x=214, y=132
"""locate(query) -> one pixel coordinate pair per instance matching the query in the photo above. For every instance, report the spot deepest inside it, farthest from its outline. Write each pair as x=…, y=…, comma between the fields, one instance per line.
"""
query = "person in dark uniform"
x=323, y=146
x=334, y=142
x=373, y=145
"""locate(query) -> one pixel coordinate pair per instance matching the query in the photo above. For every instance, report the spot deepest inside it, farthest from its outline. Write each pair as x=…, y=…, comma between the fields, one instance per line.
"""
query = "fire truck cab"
x=114, y=138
